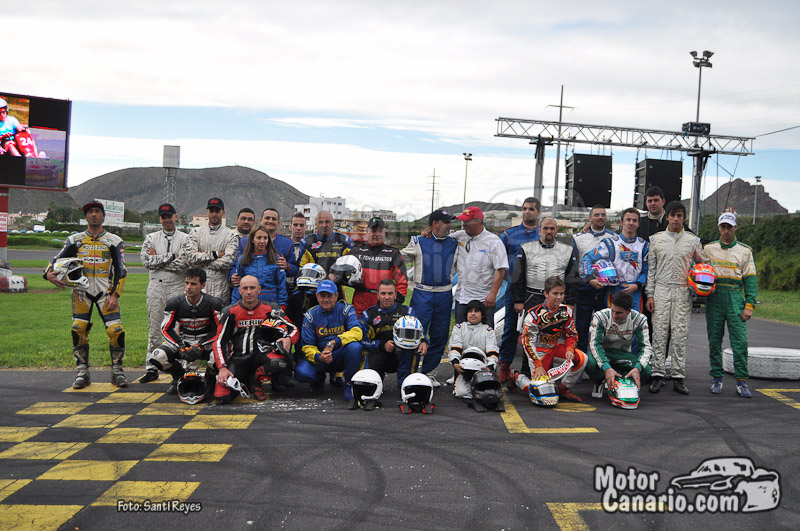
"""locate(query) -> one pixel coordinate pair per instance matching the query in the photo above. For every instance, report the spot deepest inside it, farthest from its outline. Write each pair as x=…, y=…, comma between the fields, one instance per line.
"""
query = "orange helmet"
x=702, y=278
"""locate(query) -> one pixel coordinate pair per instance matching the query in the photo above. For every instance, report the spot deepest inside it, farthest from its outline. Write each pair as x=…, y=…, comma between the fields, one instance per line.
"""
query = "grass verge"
x=37, y=326
x=780, y=306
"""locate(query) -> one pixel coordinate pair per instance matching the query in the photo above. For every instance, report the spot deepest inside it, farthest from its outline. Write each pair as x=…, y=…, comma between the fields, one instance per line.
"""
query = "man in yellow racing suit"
x=104, y=267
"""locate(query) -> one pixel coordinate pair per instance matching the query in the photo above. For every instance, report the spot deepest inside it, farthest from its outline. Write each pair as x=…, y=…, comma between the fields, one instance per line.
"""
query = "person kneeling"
x=189, y=330
x=331, y=341
x=473, y=347
x=620, y=345
x=549, y=333
x=242, y=353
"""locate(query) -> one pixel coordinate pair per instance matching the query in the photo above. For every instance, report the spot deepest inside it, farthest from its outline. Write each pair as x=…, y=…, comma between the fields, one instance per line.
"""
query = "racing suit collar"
x=388, y=310
x=547, y=246
x=627, y=240
x=728, y=245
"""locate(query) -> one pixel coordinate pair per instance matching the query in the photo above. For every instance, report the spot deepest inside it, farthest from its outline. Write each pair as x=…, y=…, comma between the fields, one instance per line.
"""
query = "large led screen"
x=34, y=141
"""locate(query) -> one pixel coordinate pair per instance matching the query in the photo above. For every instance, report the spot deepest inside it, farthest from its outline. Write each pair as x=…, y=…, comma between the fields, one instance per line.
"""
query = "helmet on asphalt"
x=407, y=332
x=70, y=272
x=346, y=270
x=310, y=276
x=543, y=393
x=486, y=391
x=702, y=279
x=367, y=388
x=417, y=393
x=192, y=388
x=624, y=393
x=605, y=273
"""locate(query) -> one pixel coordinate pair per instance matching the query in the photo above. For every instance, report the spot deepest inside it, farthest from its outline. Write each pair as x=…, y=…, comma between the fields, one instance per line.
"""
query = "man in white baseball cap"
x=732, y=301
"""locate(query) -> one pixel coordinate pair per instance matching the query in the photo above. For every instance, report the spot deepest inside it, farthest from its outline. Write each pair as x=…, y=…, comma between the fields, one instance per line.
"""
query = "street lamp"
x=467, y=158
x=755, y=201
x=700, y=62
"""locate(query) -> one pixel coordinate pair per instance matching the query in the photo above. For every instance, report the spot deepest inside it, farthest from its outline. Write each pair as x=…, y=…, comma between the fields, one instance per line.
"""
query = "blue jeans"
x=433, y=310
x=346, y=358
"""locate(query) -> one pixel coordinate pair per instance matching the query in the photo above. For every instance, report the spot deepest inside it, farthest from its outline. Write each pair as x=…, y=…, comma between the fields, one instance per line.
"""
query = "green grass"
x=36, y=326
x=780, y=306
x=43, y=263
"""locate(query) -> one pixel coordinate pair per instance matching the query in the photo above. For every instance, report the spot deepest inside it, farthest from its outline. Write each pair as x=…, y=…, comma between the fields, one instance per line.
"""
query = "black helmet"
x=192, y=388
x=487, y=391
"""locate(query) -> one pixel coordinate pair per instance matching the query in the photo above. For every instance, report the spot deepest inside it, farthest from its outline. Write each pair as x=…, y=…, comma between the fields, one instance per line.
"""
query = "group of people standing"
x=214, y=292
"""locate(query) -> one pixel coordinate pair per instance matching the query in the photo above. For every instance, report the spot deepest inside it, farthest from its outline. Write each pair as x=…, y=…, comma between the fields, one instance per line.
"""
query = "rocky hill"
x=37, y=201
x=740, y=195
x=142, y=189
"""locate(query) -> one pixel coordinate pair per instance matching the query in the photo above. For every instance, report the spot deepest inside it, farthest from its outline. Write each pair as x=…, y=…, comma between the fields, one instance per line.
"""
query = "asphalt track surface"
x=301, y=462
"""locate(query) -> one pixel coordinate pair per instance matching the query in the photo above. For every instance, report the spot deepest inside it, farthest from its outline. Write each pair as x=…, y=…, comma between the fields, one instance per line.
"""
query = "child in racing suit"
x=474, y=332
x=549, y=333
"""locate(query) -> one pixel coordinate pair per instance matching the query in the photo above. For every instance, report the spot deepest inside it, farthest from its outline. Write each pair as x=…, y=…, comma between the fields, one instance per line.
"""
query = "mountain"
x=37, y=201
x=740, y=195
x=142, y=189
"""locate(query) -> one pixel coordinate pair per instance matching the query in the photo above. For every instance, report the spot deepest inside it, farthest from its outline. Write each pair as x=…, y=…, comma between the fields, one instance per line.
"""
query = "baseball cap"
x=376, y=222
x=166, y=208
x=727, y=217
x=215, y=202
x=93, y=204
x=440, y=215
x=471, y=213
x=327, y=286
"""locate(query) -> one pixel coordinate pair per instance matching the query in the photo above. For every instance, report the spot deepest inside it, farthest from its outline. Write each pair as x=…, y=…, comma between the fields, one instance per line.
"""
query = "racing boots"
x=568, y=395
x=83, y=379
x=117, y=376
x=679, y=387
x=150, y=375
x=656, y=383
x=505, y=371
x=716, y=385
x=81, y=354
x=742, y=389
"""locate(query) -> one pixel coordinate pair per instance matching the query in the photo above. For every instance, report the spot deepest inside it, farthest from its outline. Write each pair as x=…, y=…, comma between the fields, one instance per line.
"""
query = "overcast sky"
x=365, y=99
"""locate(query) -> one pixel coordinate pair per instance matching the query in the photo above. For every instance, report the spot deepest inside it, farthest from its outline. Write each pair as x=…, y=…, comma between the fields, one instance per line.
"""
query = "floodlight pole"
x=700, y=158
x=467, y=158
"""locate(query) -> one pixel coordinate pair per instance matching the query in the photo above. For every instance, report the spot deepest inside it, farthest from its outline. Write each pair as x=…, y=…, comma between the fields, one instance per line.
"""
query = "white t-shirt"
x=476, y=267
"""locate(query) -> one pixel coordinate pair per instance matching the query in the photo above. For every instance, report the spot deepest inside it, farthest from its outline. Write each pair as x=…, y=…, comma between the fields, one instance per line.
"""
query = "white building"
x=334, y=205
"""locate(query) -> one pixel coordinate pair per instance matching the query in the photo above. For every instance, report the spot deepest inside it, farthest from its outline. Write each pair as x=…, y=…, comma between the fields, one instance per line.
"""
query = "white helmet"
x=367, y=389
x=407, y=332
x=192, y=388
x=347, y=270
x=3, y=103
x=70, y=272
x=417, y=393
x=310, y=276
x=543, y=393
x=472, y=360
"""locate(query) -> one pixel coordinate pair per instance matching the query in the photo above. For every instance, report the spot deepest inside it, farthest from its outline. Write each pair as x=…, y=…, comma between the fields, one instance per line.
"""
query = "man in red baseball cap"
x=481, y=264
